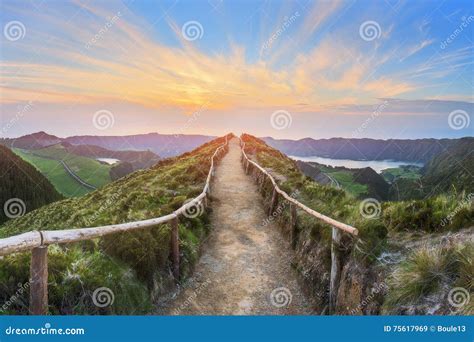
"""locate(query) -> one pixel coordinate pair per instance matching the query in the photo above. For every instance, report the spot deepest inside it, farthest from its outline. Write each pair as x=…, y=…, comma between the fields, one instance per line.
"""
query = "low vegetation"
x=134, y=265
x=417, y=276
x=428, y=276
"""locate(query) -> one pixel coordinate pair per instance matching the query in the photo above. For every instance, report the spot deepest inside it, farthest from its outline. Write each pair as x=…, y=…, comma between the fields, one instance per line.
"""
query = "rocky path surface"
x=245, y=266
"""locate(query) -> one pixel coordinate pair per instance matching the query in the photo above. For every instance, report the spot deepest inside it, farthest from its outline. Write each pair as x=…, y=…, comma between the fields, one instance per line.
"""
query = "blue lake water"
x=376, y=165
x=109, y=161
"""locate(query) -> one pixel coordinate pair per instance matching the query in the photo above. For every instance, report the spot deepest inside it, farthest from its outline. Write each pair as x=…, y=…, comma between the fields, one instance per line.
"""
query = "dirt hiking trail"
x=245, y=267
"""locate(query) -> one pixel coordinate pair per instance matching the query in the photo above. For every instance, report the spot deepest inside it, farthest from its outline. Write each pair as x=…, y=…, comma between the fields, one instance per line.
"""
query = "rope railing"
x=337, y=227
x=39, y=240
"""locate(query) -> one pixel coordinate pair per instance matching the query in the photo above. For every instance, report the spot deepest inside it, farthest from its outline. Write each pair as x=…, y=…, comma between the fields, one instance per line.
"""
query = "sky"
x=287, y=69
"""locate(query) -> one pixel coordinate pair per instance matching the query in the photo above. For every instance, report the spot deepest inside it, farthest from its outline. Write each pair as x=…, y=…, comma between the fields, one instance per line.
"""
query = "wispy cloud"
x=114, y=55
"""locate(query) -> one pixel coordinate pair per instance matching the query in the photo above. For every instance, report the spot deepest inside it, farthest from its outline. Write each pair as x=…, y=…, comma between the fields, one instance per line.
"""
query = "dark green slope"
x=451, y=170
x=22, y=186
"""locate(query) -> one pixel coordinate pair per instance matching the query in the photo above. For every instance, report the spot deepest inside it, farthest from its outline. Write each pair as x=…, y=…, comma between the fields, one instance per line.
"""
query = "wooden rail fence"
x=38, y=241
x=337, y=227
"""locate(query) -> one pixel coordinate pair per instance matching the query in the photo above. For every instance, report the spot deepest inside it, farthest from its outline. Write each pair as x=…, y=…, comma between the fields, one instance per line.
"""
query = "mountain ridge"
x=414, y=150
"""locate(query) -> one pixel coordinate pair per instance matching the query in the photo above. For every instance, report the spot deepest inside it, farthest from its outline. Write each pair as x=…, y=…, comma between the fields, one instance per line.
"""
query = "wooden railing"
x=38, y=241
x=337, y=227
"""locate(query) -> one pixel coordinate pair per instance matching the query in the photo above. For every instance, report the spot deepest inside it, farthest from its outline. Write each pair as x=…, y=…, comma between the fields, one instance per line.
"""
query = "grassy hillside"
x=19, y=180
x=451, y=170
x=360, y=183
x=138, y=159
x=364, y=264
x=345, y=180
x=55, y=173
x=47, y=161
x=134, y=266
x=89, y=170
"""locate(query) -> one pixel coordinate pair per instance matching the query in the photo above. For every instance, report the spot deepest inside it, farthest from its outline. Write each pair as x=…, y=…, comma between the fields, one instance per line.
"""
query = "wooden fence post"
x=273, y=204
x=262, y=181
x=293, y=225
x=39, y=281
x=336, y=264
x=175, y=247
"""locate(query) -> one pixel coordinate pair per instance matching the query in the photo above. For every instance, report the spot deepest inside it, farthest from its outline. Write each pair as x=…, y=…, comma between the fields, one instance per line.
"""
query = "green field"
x=345, y=180
x=87, y=169
x=407, y=172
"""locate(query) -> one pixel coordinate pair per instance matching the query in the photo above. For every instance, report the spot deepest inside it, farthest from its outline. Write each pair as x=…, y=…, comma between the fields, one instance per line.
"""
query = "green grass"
x=55, y=173
x=88, y=169
x=431, y=271
x=436, y=214
x=406, y=172
x=346, y=180
x=134, y=265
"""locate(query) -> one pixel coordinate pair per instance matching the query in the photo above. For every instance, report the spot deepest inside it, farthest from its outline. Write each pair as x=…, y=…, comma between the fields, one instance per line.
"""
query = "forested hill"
x=451, y=169
x=419, y=150
x=22, y=187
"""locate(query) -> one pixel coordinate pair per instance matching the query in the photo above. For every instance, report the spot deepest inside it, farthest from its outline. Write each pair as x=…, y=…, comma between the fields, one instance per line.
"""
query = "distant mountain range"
x=449, y=171
x=418, y=150
x=164, y=145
